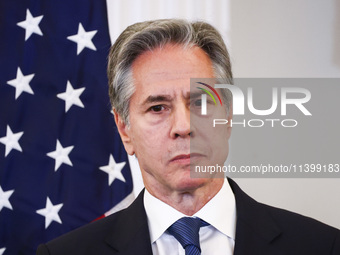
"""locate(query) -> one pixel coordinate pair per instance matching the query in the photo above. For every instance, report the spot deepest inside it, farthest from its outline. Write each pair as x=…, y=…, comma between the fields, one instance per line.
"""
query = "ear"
x=124, y=132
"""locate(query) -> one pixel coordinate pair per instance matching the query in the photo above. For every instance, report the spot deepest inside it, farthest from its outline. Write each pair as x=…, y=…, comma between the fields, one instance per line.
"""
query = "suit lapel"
x=255, y=228
x=131, y=233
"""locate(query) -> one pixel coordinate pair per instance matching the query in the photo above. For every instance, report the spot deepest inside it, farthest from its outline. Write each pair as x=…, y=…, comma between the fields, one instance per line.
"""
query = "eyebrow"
x=196, y=94
x=166, y=98
x=157, y=99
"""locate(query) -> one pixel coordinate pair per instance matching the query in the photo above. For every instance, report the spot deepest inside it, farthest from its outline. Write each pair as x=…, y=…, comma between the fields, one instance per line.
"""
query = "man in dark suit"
x=159, y=119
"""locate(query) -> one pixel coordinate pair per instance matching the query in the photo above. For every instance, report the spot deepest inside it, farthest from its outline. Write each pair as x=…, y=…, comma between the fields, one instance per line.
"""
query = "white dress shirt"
x=217, y=238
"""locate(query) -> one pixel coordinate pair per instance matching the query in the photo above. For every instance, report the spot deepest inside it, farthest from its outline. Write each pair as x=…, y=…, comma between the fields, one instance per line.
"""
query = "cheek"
x=221, y=132
x=148, y=140
x=221, y=136
x=222, y=146
x=213, y=141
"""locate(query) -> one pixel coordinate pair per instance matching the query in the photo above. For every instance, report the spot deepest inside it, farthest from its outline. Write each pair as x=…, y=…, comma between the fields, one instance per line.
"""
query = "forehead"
x=169, y=67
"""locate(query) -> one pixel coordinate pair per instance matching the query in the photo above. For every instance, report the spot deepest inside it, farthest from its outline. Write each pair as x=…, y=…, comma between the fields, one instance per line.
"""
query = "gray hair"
x=146, y=36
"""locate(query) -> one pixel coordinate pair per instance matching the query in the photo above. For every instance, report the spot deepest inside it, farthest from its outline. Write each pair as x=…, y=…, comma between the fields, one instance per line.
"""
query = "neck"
x=191, y=200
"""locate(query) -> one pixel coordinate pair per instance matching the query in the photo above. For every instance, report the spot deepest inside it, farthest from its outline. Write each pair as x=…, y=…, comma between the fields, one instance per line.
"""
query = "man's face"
x=160, y=131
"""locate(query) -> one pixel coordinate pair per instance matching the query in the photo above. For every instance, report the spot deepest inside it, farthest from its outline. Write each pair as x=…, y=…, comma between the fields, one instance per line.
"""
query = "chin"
x=189, y=183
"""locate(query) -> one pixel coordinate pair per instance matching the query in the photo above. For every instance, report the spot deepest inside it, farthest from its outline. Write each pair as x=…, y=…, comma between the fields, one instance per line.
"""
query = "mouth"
x=185, y=158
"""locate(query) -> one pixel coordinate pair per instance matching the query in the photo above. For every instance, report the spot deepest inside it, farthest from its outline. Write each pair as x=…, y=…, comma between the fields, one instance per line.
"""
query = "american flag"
x=62, y=163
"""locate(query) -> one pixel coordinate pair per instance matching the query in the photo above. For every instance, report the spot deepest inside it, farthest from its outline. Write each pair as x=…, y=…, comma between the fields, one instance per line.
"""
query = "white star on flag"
x=21, y=83
x=71, y=96
x=11, y=141
x=31, y=25
x=61, y=155
x=83, y=39
x=114, y=170
x=50, y=212
x=2, y=250
x=4, y=199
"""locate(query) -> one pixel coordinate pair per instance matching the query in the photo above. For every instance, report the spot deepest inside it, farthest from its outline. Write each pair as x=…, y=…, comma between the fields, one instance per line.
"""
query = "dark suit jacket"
x=260, y=229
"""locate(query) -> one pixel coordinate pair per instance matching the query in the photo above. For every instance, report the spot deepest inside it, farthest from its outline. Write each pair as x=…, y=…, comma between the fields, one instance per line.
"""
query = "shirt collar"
x=220, y=212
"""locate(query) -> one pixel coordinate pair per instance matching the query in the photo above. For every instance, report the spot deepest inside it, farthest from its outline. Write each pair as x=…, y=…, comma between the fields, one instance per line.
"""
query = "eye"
x=198, y=102
x=157, y=108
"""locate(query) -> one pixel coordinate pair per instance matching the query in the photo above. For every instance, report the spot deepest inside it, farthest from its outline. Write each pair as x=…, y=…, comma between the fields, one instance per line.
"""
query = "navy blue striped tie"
x=185, y=230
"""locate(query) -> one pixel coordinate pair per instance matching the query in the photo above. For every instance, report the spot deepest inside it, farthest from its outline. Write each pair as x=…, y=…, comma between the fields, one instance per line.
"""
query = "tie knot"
x=186, y=231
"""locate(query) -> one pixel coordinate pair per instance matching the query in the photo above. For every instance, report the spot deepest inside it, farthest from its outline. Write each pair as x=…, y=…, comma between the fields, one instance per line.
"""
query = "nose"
x=180, y=126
